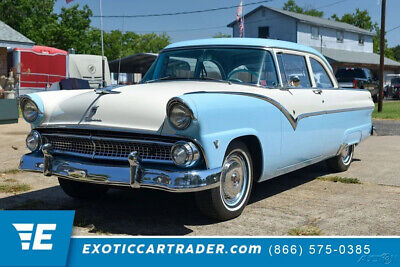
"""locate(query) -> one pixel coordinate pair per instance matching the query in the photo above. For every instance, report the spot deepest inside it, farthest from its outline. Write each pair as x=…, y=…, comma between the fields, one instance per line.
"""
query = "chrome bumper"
x=133, y=175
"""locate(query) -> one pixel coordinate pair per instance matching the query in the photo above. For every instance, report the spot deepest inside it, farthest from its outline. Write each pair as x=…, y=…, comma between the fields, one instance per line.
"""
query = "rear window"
x=348, y=74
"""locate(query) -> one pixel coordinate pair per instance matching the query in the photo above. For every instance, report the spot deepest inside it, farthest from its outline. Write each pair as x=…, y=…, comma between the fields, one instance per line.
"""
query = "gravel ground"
x=276, y=206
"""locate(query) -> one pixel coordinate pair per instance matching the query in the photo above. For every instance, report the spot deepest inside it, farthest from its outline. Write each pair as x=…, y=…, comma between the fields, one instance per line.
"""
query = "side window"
x=321, y=77
x=292, y=66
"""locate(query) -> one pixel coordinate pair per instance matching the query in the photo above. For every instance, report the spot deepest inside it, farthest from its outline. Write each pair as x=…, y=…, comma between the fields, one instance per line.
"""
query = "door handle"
x=317, y=91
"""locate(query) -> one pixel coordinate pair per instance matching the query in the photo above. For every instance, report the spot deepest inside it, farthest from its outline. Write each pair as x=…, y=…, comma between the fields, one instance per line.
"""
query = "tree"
x=118, y=44
x=291, y=5
x=71, y=29
x=33, y=18
x=361, y=19
x=221, y=35
x=396, y=52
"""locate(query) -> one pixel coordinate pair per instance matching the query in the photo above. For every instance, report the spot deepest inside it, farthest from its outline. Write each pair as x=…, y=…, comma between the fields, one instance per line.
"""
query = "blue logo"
x=35, y=238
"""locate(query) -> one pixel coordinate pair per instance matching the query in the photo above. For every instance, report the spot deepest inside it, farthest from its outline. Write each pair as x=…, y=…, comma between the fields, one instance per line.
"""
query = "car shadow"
x=145, y=212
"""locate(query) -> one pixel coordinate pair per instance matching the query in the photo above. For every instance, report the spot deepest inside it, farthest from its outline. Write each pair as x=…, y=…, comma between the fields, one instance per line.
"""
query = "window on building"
x=263, y=32
x=361, y=39
x=339, y=36
x=314, y=32
x=294, y=66
x=321, y=77
x=263, y=13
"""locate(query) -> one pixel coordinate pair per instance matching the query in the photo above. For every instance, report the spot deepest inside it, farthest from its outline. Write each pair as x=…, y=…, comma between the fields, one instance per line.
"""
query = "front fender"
x=220, y=118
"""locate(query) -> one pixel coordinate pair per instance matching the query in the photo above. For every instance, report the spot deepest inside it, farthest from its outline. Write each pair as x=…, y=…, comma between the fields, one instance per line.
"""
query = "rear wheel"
x=341, y=162
x=229, y=199
x=82, y=190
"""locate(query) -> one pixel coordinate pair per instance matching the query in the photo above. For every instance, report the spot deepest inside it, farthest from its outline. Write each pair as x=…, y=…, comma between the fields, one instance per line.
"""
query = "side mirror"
x=294, y=81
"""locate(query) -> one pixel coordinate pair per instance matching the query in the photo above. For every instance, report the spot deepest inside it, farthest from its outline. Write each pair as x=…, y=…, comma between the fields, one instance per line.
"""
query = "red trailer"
x=38, y=68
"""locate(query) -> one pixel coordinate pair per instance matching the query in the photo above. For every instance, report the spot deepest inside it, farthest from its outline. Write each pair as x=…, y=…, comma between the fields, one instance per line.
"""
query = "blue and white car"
x=211, y=116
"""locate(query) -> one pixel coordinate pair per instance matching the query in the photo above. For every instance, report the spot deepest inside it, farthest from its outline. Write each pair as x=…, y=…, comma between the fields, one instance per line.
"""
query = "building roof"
x=312, y=20
x=344, y=56
x=10, y=37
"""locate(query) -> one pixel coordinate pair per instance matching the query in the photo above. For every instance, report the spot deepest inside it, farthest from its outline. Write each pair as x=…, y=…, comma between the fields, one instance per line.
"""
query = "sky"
x=205, y=25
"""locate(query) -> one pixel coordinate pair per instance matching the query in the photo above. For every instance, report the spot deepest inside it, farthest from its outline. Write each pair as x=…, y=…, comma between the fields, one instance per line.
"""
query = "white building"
x=344, y=45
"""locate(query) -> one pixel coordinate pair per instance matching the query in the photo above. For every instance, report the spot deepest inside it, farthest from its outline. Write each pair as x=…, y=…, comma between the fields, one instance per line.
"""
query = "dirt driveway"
x=295, y=203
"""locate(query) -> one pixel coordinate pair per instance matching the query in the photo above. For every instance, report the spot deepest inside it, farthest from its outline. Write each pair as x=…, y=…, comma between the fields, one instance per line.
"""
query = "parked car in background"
x=211, y=116
x=360, y=78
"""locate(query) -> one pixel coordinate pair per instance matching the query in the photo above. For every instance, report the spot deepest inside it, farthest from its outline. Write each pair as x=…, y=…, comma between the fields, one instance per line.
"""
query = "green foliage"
x=336, y=179
x=291, y=5
x=360, y=18
x=71, y=29
x=33, y=18
x=391, y=111
x=118, y=44
x=396, y=52
x=221, y=35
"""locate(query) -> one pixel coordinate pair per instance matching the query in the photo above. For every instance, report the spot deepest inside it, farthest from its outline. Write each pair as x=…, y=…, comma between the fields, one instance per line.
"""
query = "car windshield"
x=348, y=74
x=237, y=65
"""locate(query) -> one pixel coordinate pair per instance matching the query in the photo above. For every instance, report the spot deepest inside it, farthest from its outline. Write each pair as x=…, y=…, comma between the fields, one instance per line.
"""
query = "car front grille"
x=108, y=148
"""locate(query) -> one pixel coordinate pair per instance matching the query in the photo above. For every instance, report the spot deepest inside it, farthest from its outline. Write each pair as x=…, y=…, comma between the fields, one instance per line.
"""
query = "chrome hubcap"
x=234, y=179
x=346, y=155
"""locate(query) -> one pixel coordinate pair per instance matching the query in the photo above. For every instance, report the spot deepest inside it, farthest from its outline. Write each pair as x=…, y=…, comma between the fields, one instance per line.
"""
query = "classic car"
x=210, y=116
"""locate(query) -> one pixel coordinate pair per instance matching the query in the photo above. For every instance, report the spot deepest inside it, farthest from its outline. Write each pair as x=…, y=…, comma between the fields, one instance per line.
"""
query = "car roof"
x=260, y=42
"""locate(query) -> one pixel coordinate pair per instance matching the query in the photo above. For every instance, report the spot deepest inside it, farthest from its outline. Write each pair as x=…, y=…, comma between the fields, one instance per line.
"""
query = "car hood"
x=140, y=107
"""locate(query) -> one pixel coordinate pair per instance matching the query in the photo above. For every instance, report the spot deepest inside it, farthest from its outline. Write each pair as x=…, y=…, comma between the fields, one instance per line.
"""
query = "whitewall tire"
x=229, y=199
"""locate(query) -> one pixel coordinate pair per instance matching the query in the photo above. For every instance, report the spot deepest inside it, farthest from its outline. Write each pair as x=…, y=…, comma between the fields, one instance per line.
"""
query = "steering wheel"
x=241, y=70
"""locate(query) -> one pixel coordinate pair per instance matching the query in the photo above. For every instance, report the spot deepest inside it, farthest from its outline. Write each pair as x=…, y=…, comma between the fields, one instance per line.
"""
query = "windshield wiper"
x=212, y=79
x=166, y=78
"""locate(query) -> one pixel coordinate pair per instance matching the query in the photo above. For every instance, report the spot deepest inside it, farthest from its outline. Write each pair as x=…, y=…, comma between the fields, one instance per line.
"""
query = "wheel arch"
x=256, y=152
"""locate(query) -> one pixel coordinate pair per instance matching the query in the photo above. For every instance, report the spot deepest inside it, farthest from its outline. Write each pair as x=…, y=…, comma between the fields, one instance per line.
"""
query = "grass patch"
x=336, y=179
x=391, y=110
x=11, y=171
x=305, y=230
x=14, y=188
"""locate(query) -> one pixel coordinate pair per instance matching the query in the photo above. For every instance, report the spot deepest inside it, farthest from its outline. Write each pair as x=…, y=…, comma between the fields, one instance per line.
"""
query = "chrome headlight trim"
x=176, y=103
x=27, y=101
x=192, y=154
x=33, y=141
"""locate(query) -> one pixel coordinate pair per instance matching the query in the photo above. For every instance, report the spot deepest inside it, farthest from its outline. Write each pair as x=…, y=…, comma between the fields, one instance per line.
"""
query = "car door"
x=301, y=141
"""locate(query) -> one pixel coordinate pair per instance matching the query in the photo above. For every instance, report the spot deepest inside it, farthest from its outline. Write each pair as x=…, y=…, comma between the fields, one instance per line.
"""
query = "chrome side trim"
x=293, y=122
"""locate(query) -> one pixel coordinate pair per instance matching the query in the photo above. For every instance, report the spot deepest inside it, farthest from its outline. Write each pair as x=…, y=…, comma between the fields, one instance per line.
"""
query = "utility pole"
x=382, y=60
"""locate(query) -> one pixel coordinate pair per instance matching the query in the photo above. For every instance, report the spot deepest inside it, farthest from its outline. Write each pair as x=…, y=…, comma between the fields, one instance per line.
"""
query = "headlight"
x=179, y=114
x=33, y=141
x=29, y=109
x=185, y=154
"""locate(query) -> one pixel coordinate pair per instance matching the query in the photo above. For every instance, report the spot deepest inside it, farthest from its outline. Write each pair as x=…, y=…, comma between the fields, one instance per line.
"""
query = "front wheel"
x=341, y=162
x=229, y=199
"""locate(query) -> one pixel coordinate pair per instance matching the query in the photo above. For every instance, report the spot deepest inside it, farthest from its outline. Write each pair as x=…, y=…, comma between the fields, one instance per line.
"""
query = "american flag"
x=240, y=18
x=68, y=1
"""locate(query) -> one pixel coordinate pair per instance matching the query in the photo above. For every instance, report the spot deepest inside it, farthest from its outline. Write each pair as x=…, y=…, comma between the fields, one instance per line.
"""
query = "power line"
x=392, y=29
x=332, y=4
x=179, y=13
